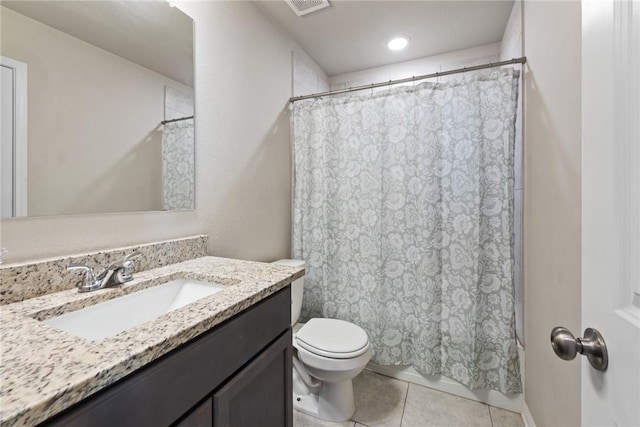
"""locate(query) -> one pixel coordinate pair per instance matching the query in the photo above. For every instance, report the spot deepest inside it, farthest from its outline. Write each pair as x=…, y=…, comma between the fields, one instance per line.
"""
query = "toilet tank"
x=297, y=288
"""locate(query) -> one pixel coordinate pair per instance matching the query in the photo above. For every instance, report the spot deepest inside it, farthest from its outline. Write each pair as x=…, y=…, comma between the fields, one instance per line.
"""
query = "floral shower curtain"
x=403, y=211
x=178, y=165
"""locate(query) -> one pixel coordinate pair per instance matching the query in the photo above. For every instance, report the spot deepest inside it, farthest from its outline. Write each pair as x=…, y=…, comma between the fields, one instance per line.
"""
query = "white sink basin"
x=111, y=317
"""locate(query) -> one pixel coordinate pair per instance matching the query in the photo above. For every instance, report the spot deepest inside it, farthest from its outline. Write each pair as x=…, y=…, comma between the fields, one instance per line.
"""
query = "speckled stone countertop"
x=44, y=370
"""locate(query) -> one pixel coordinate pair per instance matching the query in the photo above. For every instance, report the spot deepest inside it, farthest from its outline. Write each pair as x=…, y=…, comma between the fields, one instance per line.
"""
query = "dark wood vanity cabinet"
x=236, y=375
x=200, y=416
x=247, y=400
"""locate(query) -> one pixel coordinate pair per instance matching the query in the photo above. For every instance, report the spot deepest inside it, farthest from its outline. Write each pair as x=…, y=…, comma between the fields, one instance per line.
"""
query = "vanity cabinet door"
x=200, y=416
x=260, y=394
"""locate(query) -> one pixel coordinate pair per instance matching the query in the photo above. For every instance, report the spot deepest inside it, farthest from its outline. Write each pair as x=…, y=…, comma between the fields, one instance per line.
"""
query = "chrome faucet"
x=115, y=274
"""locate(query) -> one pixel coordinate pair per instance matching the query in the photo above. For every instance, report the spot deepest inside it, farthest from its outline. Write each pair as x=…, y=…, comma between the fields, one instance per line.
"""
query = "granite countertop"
x=44, y=370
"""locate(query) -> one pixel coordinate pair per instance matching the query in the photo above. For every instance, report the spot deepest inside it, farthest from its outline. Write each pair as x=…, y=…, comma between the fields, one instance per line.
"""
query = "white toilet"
x=328, y=354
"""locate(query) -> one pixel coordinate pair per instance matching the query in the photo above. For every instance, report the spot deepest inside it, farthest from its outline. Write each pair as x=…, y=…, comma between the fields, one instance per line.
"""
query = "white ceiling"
x=352, y=35
x=150, y=33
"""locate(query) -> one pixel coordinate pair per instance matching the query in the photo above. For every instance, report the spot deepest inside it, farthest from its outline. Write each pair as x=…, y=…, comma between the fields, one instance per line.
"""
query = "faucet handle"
x=90, y=282
x=128, y=264
x=81, y=267
x=131, y=256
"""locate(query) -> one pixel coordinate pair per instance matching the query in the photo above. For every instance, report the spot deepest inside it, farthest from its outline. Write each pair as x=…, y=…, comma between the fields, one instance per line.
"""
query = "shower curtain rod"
x=520, y=60
x=164, y=122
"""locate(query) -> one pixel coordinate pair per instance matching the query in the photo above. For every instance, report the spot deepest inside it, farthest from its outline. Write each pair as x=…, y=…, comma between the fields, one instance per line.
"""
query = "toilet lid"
x=333, y=338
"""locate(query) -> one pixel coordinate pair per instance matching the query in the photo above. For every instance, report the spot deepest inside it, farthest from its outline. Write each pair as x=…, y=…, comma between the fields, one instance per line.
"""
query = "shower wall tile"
x=26, y=280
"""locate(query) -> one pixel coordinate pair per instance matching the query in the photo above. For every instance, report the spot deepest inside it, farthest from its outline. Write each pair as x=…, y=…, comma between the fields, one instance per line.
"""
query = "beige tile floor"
x=386, y=402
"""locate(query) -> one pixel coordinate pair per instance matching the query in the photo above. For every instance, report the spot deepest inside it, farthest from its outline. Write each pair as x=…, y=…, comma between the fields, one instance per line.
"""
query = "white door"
x=611, y=207
x=13, y=138
x=7, y=142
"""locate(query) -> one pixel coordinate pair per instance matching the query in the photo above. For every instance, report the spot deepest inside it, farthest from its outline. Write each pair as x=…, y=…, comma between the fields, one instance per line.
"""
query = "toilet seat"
x=333, y=338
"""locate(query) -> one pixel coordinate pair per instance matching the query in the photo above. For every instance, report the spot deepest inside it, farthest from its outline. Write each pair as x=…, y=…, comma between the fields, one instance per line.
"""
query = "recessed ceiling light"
x=398, y=43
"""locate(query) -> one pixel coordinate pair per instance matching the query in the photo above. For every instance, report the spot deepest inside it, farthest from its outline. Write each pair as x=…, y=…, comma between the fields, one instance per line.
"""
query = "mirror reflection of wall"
x=102, y=78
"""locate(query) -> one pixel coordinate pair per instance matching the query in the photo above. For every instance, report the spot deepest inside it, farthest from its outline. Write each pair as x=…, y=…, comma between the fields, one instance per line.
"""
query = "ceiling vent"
x=303, y=7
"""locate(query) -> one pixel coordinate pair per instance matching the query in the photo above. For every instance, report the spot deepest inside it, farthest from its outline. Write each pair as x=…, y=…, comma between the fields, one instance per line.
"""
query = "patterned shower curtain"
x=178, y=165
x=403, y=211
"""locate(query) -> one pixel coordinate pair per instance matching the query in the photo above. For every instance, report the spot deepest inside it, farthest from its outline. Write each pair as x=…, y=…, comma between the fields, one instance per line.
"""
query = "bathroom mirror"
x=97, y=107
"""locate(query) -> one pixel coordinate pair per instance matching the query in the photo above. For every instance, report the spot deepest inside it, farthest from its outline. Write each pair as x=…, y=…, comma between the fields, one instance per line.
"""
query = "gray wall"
x=552, y=205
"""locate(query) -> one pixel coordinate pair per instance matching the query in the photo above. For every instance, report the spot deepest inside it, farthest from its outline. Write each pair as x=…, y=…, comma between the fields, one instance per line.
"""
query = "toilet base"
x=334, y=402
